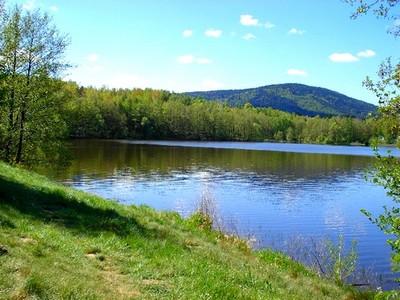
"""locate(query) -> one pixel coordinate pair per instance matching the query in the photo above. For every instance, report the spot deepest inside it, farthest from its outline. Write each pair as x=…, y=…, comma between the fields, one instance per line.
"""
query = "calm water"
x=269, y=191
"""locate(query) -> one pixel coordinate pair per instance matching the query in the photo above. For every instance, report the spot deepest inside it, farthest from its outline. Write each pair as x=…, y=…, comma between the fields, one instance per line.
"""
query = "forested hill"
x=295, y=98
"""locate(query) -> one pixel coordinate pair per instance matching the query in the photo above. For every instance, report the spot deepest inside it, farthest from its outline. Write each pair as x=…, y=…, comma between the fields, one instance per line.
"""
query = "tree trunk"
x=10, y=127
x=18, y=158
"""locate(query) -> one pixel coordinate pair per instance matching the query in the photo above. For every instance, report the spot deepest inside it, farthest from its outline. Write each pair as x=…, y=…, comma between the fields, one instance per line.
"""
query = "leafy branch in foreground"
x=387, y=174
x=387, y=90
x=383, y=9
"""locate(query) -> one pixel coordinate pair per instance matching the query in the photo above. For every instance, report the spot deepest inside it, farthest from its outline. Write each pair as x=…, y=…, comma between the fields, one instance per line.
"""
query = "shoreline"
x=85, y=225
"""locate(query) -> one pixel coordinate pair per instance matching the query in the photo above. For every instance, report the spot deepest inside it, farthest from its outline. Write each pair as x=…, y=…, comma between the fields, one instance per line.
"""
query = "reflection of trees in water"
x=101, y=158
x=184, y=174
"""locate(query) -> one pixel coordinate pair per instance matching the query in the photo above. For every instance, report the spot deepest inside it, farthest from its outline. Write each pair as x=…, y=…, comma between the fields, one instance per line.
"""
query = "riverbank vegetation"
x=81, y=112
x=153, y=114
x=52, y=236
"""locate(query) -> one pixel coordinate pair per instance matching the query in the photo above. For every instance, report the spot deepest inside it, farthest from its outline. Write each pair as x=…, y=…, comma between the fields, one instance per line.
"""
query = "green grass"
x=59, y=243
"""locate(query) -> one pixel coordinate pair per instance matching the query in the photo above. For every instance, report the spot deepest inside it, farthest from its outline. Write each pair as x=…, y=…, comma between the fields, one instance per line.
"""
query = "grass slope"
x=59, y=243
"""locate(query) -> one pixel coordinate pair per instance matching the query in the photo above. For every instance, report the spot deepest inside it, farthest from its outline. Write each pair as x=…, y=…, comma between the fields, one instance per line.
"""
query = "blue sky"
x=187, y=45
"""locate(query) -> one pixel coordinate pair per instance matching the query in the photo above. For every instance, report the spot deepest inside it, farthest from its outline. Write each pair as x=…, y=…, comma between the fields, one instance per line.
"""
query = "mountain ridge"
x=294, y=98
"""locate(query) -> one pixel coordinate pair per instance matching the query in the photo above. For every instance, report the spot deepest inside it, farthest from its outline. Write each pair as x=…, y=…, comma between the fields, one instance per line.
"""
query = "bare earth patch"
x=120, y=284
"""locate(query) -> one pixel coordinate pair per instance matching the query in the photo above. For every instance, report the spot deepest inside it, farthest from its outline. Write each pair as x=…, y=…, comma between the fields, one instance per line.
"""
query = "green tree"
x=153, y=114
x=387, y=89
x=31, y=60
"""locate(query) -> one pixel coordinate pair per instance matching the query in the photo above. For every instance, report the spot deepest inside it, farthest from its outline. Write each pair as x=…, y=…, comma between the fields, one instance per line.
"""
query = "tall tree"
x=31, y=60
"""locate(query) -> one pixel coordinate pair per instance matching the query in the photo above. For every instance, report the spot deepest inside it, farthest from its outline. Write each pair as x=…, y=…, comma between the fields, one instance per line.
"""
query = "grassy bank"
x=59, y=243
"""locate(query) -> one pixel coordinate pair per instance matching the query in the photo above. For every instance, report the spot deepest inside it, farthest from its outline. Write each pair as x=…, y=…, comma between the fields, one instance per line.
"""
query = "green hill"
x=59, y=243
x=294, y=98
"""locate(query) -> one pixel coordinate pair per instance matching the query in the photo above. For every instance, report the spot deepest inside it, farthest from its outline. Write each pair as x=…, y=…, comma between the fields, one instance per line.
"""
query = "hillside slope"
x=294, y=98
x=59, y=243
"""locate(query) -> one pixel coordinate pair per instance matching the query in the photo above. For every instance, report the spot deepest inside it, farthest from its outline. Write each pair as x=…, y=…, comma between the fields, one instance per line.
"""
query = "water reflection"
x=104, y=157
x=264, y=194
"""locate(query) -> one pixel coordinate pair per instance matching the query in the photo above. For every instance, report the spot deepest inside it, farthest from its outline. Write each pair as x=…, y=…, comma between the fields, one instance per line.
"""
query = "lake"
x=270, y=192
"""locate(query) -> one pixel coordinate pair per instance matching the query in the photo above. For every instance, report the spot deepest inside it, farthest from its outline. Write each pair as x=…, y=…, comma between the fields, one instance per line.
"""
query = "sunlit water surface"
x=271, y=192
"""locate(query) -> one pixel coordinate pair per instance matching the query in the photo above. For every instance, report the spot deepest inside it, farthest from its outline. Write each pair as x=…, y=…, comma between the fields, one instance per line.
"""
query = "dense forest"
x=294, y=98
x=155, y=114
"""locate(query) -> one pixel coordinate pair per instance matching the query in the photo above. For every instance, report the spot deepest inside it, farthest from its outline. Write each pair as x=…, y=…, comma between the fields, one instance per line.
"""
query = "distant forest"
x=295, y=98
x=155, y=114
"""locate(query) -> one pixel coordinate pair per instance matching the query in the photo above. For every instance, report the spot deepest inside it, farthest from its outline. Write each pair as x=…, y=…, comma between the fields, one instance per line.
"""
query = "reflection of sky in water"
x=279, y=147
x=267, y=201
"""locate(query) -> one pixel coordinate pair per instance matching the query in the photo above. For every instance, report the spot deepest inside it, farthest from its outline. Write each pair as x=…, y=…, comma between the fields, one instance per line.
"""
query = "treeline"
x=154, y=114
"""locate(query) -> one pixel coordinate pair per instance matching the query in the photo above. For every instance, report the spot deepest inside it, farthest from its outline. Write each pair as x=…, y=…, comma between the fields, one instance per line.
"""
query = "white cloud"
x=366, y=53
x=249, y=20
x=296, y=31
x=29, y=5
x=269, y=25
x=343, y=57
x=213, y=33
x=249, y=36
x=191, y=59
x=91, y=64
x=187, y=33
x=93, y=57
x=54, y=8
x=347, y=57
x=209, y=84
x=186, y=59
x=296, y=72
x=34, y=4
